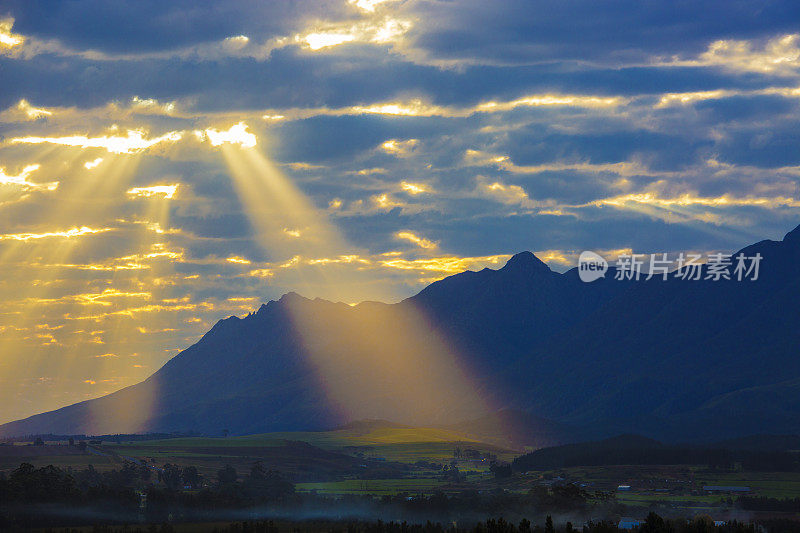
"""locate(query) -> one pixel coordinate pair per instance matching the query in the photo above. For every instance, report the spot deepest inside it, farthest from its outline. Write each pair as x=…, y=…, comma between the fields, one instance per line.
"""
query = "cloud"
x=686, y=200
x=415, y=239
x=508, y=194
x=778, y=55
x=151, y=106
x=164, y=191
x=415, y=188
x=236, y=134
x=620, y=168
x=370, y=5
x=67, y=234
x=238, y=260
x=552, y=100
x=434, y=268
x=21, y=181
x=24, y=111
x=94, y=163
x=386, y=202
x=418, y=107
x=383, y=31
x=400, y=148
x=134, y=141
x=8, y=40
x=150, y=26
x=718, y=94
x=315, y=34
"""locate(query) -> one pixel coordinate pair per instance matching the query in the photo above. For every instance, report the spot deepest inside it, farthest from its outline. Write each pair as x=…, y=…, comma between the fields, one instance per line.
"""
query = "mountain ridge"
x=670, y=360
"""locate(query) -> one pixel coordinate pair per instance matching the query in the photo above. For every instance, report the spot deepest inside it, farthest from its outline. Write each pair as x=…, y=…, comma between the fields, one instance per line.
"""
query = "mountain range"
x=523, y=354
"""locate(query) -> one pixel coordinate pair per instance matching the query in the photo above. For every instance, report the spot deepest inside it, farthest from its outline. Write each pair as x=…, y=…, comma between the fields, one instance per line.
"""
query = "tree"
x=269, y=484
x=548, y=525
x=500, y=471
x=48, y=484
x=451, y=473
x=227, y=475
x=702, y=523
x=171, y=476
x=653, y=524
x=191, y=476
x=568, y=497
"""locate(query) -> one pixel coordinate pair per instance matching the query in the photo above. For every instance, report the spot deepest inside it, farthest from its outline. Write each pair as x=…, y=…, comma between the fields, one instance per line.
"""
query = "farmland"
x=372, y=450
x=377, y=459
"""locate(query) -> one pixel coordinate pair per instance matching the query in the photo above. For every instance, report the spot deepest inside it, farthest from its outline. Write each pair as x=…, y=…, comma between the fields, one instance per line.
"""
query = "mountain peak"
x=793, y=237
x=525, y=261
x=292, y=297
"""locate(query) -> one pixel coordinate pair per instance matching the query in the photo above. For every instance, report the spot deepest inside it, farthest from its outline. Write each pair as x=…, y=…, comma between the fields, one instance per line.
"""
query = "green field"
x=678, y=485
x=392, y=444
x=771, y=484
x=364, y=451
x=78, y=462
x=379, y=487
x=62, y=456
x=336, y=438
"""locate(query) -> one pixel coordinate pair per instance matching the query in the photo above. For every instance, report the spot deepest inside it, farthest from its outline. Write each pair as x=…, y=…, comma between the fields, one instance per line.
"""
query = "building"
x=725, y=488
x=628, y=523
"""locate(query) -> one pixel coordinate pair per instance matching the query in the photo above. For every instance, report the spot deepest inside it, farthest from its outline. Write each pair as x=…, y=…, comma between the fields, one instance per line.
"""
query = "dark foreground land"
x=652, y=524
x=378, y=477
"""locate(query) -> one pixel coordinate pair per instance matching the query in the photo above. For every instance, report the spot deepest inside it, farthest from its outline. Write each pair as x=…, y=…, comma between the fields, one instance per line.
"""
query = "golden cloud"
x=133, y=142
x=21, y=180
x=67, y=234
x=414, y=238
x=165, y=191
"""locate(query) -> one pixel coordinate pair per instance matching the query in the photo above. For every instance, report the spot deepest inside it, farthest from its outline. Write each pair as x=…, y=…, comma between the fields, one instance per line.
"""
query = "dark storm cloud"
x=132, y=26
x=517, y=31
x=521, y=31
x=291, y=78
x=342, y=138
x=768, y=147
x=664, y=151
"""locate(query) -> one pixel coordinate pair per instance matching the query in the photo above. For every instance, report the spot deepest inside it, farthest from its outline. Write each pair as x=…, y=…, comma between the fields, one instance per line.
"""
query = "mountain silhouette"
x=525, y=351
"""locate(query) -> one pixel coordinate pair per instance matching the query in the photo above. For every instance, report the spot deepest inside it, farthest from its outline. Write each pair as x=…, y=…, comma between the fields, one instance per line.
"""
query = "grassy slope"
x=325, y=439
x=403, y=444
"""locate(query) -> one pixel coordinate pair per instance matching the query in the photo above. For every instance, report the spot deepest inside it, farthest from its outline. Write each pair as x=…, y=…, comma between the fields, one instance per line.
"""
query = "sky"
x=167, y=164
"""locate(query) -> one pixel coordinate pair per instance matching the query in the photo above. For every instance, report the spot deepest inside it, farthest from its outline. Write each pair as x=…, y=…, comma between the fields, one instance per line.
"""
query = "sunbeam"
x=287, y=224
x=78, y=216
x=274, y=204
x=382, y=361
x=372, y=360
